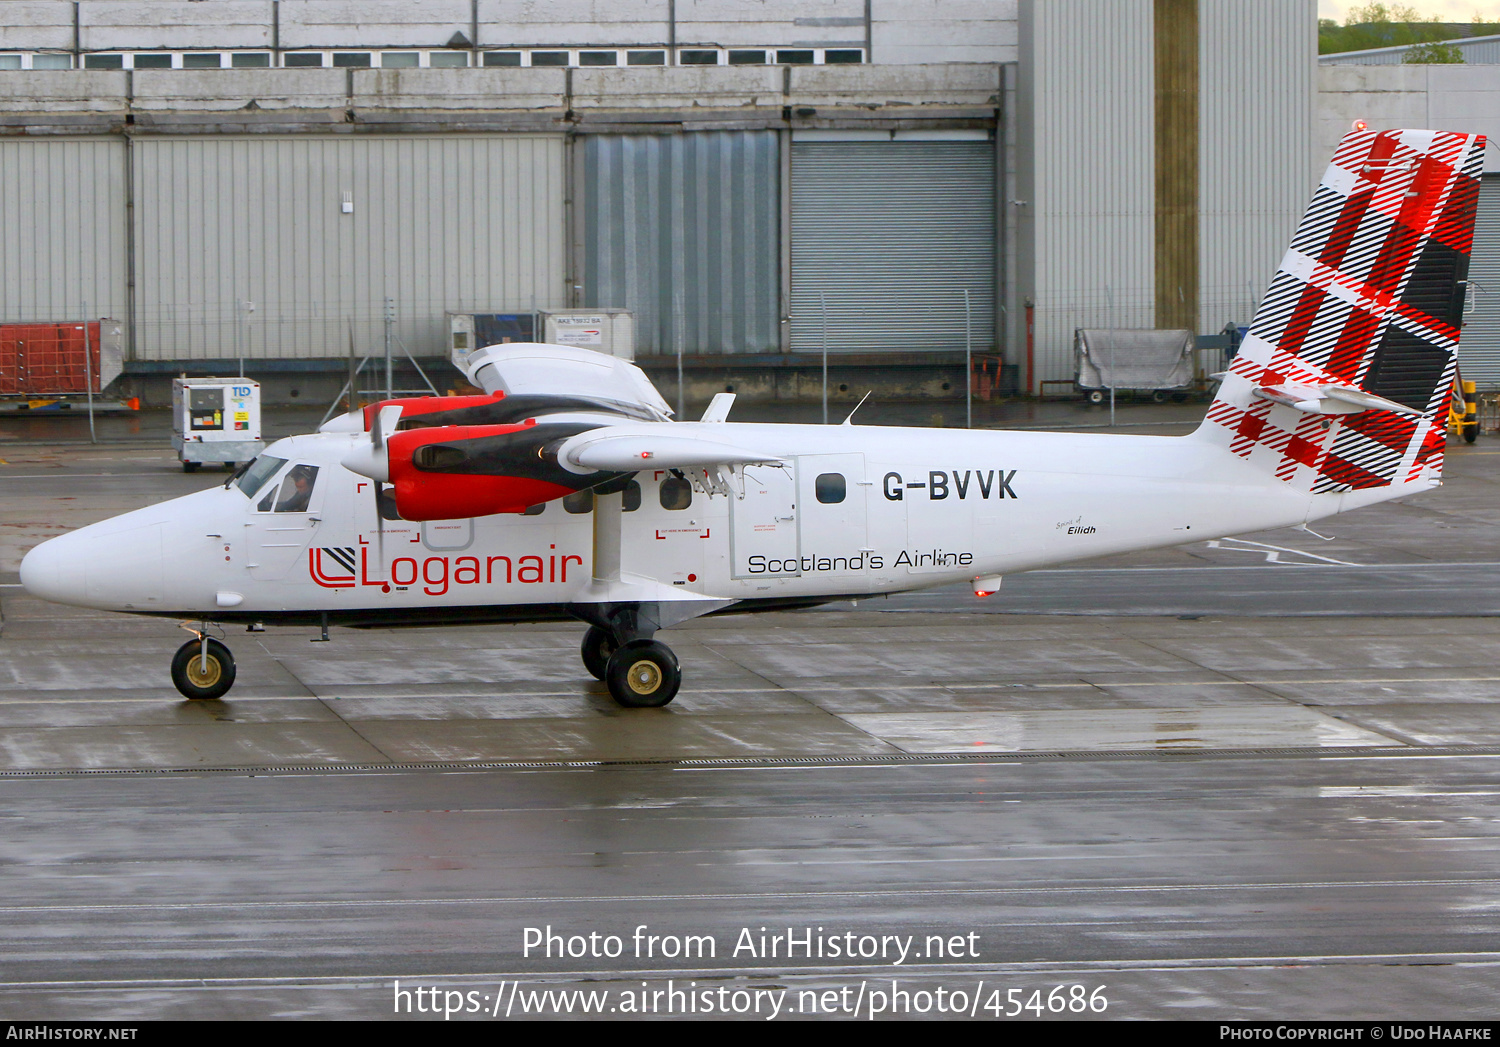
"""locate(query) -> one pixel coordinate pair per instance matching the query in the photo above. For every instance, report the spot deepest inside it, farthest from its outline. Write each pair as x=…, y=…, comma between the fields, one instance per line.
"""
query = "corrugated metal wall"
x=438, y=224
x=62, y=223
x=1255, y=163
x=683, y=231
x=1479, y=343
x=1093, y=179
x=890, y=235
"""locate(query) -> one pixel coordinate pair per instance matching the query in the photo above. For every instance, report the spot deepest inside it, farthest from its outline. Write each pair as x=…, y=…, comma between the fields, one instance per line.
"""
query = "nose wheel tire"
x=643, y=674
x=193, y=680
x=598, y=645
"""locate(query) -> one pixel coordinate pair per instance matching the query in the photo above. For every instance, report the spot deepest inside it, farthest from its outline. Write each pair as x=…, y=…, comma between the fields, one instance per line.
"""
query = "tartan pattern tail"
x=1371, y=295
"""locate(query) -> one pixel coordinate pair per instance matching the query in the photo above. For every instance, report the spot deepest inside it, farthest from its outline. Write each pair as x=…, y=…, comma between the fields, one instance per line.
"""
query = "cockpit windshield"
x=260, y=470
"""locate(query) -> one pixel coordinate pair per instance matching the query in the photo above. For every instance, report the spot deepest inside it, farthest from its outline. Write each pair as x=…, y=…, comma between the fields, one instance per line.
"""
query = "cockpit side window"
x=259, y=471
x=297, y=489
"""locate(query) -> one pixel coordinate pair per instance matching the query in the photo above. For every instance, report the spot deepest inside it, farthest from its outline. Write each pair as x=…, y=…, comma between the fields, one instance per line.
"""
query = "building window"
x=698, y=57
x=400, y=60
x=52, y=61
x=829, y=487
x=302, y=60
x=351, y=60
x=151, y=61
x=202, y=62
x=597, y=58
x=579, y=502
x=10, y=61
x=676, y=493
x=794, y=57
x=448, y=59
x=747, y=58
x=645, y=58
x=511, y=58
x=103, y=61
x=251, y=60
x=843, y=57
x=549, y=58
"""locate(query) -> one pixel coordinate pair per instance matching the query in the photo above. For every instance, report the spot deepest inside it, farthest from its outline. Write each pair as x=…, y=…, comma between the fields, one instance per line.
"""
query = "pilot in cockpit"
x=297, y=490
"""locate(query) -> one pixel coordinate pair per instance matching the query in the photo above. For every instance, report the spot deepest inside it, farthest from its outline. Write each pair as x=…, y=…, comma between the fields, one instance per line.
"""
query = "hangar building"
x=277, y=181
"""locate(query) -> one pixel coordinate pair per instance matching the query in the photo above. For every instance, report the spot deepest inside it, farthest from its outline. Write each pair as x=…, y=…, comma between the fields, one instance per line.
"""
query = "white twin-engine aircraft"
x=567, y=491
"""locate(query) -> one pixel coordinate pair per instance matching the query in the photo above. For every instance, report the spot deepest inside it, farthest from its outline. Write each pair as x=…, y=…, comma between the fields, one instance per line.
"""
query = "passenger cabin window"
x=579, y=502
x=632, y=497
x=385, y=502
x=829, y=487
x=535, y=510
x=676, y=493
x=295, y=492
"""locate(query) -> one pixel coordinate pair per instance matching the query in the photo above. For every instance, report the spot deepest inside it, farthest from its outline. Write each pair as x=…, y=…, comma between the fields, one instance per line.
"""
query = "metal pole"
x=679, y=321
x=968, y=364
x=88, y=373
x=390, y=318
x=823, y=303
x=239, y=349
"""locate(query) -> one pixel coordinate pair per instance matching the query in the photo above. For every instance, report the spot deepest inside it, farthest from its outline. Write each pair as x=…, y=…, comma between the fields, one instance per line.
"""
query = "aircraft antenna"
x=862, y=399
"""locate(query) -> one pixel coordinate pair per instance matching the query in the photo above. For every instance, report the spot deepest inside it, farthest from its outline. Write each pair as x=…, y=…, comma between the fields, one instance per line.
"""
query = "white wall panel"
x=62, y=221
x=1256, y=167
x=105, y=25
x=439, y=224
x=906, y=32
x=373, y=23
x=572, y=23
x=1091, y=182
x=37, y=24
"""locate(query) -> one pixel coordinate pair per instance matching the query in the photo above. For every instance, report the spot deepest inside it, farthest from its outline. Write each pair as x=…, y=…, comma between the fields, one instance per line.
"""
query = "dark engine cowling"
x=458, y=471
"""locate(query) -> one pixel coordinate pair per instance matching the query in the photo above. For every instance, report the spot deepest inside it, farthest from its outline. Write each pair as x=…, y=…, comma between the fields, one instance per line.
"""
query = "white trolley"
x=215, y=420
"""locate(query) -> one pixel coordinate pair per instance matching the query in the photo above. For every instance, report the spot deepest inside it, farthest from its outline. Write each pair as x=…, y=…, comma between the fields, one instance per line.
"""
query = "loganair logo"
x=341, y=568
x=332, y=568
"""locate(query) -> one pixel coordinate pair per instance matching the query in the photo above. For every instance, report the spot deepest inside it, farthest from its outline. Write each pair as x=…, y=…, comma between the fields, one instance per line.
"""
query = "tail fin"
x=1342, y=380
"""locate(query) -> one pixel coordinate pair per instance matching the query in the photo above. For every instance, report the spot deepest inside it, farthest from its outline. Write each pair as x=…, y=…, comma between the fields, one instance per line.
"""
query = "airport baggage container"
x=215, y=420
x=1131, y=360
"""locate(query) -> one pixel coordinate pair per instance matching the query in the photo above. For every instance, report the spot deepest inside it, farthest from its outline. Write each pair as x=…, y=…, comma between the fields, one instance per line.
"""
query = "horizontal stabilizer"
x=1330, y=399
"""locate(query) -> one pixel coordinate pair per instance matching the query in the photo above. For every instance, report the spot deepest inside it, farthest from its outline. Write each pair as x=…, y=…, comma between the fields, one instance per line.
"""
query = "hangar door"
x=887, y=235
x=1479, y=343
x=682, y=230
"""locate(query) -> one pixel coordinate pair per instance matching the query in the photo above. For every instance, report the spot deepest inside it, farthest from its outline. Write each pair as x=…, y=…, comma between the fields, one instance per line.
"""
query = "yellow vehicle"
x=1463, y=410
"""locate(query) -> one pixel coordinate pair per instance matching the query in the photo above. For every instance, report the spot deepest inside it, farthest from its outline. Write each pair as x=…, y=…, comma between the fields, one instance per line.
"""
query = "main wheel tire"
x=1096, y=397
x=191, y=679
x=190, y=467
x=598, y=645
x=1471, y=432
x=1158, y=397
x=643, y=674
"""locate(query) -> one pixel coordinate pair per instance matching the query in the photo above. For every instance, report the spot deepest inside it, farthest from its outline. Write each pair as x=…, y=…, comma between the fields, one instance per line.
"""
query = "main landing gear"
x=640, y=673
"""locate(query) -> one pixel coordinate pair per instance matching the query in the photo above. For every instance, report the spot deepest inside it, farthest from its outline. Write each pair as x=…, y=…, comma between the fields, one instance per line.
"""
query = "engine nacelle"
x=459, y=471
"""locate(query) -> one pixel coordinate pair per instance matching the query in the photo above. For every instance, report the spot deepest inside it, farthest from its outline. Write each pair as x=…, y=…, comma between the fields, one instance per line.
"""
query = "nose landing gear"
x=203, y=669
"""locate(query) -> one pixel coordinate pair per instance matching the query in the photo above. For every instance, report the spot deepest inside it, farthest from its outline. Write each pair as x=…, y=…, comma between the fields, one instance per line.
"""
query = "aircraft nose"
x=54, y=571
x=103, y=565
